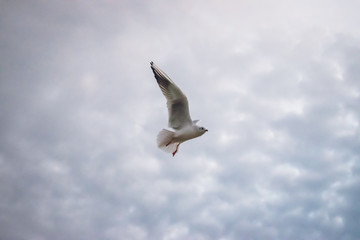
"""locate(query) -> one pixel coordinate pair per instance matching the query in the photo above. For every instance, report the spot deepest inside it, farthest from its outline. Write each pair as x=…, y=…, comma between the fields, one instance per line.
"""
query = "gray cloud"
x=276, y=85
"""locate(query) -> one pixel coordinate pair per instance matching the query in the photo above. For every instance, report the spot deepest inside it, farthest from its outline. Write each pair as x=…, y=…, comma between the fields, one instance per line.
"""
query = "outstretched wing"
x=177, y=103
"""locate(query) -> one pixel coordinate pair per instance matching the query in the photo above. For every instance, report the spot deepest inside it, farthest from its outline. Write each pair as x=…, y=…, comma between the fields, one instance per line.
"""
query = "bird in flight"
x=179, y=116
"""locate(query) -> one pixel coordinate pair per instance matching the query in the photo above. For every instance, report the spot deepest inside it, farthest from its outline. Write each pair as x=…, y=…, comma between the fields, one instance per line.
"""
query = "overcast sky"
x=275, y=82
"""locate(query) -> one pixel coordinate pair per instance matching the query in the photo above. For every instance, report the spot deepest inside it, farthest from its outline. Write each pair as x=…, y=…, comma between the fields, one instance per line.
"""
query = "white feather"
x=165, y=140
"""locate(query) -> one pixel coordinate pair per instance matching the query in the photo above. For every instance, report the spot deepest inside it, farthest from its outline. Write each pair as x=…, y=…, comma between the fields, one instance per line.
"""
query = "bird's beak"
x=206, y=130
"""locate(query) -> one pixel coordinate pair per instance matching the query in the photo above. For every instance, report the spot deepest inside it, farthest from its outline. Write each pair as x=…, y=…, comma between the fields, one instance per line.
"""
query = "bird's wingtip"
x=151, y=63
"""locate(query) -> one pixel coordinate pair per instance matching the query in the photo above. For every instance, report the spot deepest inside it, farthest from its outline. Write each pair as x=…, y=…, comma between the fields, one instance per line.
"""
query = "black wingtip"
x=151, y=63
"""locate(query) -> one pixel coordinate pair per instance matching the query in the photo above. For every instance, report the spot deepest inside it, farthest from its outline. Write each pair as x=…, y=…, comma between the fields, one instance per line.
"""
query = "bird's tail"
x=165, y=140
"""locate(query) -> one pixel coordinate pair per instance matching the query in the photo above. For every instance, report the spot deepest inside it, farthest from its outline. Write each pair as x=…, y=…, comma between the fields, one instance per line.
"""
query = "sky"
x=275, y=82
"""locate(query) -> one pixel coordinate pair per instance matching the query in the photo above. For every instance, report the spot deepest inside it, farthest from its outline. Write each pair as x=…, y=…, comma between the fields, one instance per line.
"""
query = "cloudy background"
x=275, y=82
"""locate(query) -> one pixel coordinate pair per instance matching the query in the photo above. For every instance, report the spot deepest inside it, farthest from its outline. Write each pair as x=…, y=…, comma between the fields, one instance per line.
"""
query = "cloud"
x=276, y=85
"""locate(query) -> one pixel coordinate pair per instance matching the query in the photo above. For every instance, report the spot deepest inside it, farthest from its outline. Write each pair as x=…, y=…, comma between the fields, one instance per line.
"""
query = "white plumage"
x=179, y=116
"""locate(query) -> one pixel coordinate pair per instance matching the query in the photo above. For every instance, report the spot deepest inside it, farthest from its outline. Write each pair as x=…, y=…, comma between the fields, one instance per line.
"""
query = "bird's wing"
x=177, y=103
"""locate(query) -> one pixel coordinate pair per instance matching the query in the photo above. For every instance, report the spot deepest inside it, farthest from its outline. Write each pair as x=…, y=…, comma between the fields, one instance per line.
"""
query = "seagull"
x=179, y=116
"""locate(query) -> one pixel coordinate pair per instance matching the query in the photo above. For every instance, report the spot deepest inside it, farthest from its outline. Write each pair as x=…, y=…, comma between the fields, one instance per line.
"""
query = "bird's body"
x=179, y=116
x=187, y=133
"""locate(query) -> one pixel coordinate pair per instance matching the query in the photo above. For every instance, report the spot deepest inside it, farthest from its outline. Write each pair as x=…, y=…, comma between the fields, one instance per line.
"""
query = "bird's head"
x=201, y=130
